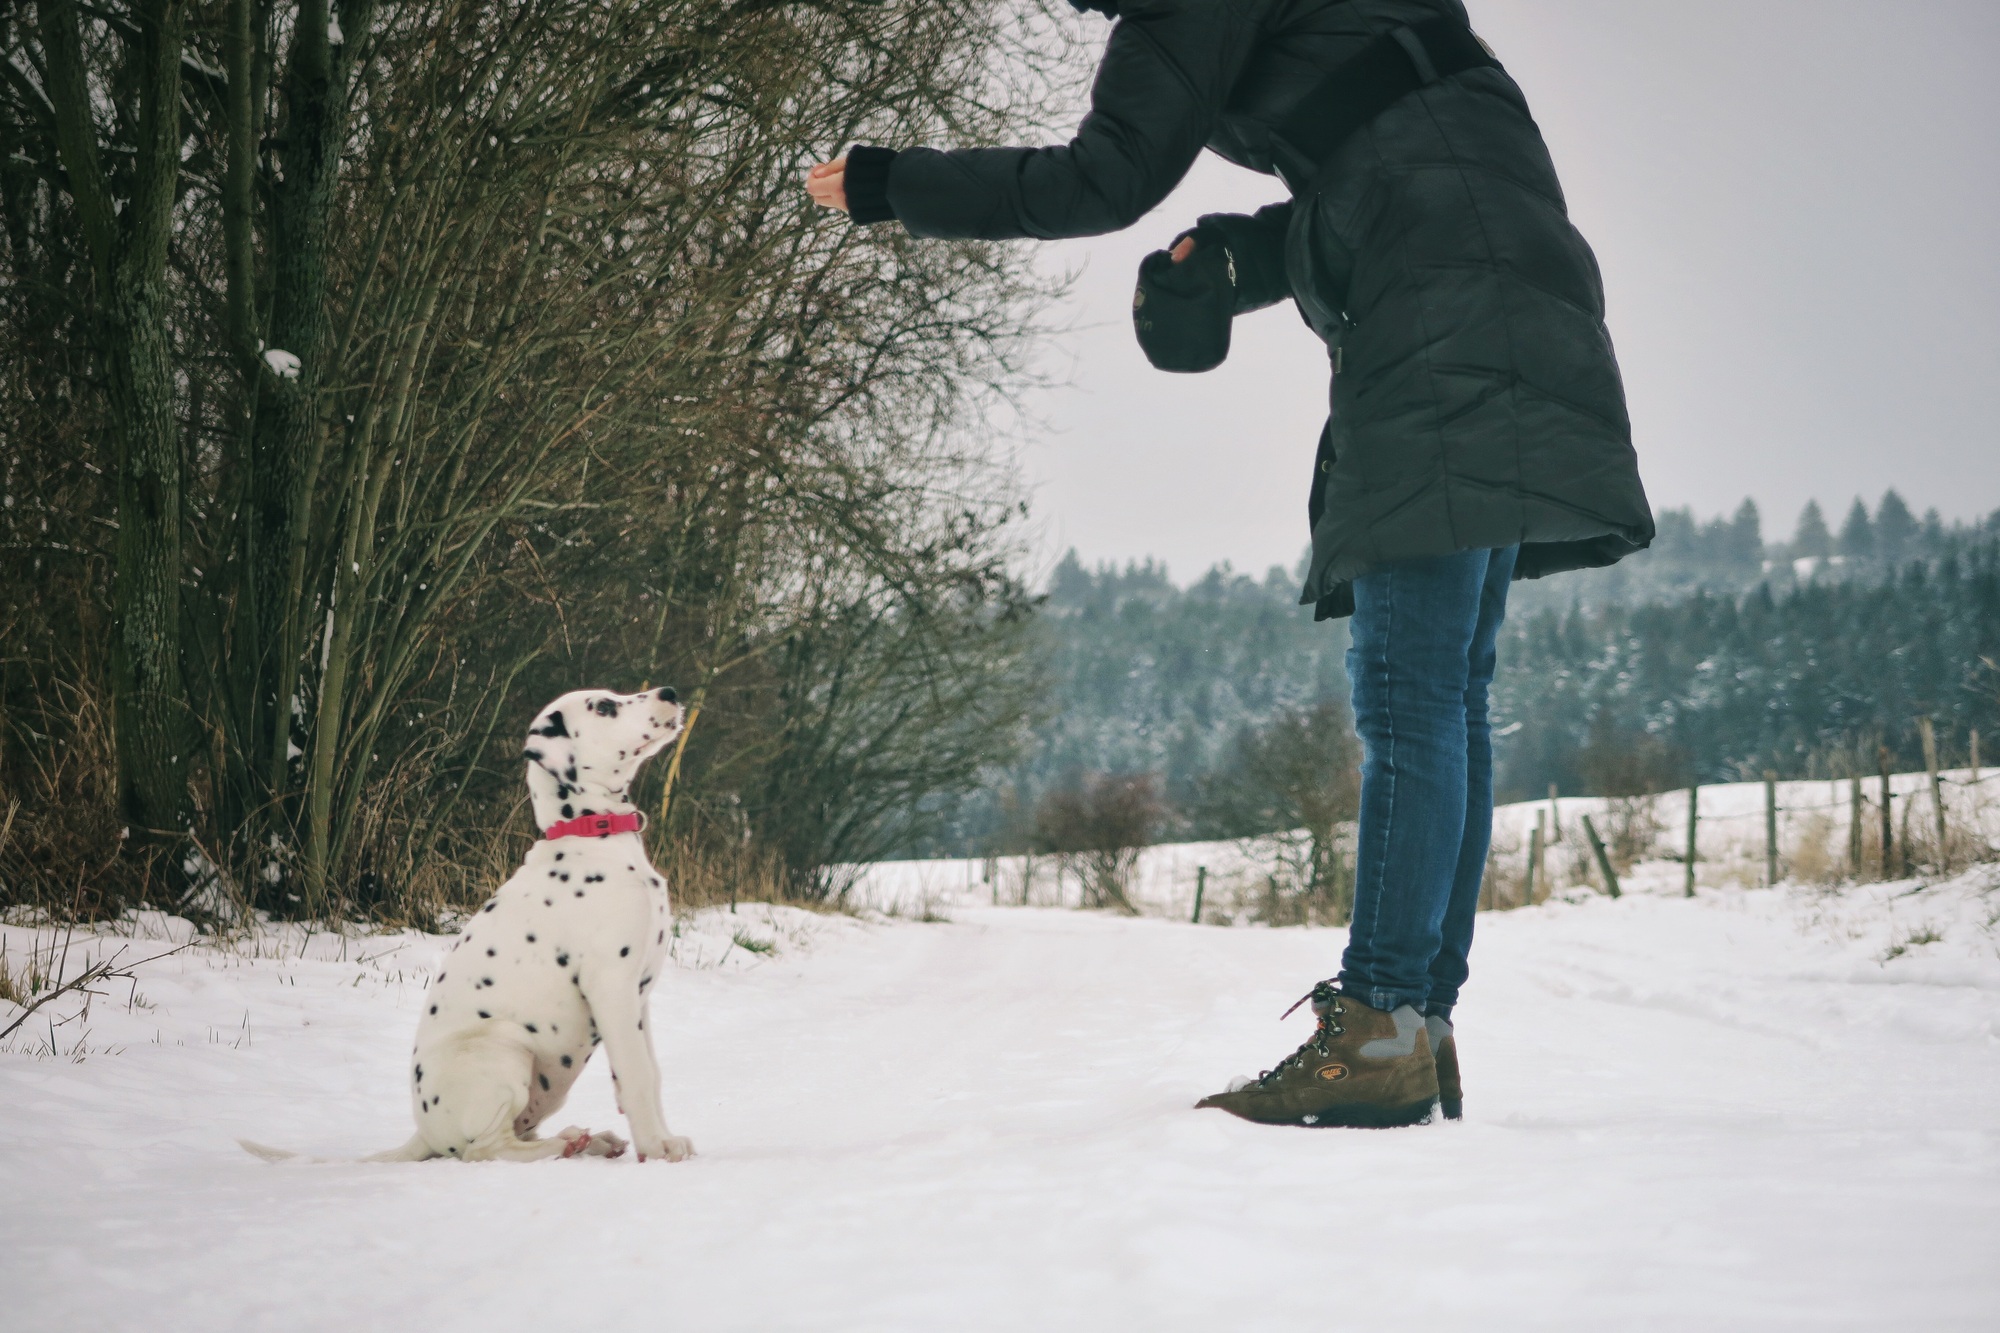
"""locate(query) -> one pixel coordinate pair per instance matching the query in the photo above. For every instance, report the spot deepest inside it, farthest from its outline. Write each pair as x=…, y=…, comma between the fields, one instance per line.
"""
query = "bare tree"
x=467, y=353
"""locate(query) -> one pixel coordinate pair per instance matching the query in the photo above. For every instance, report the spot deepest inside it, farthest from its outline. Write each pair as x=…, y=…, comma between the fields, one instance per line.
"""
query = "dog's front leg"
x=621, y=1022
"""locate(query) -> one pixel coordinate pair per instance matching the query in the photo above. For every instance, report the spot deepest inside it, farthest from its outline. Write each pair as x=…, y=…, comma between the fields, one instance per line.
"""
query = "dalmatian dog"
x=560, y=960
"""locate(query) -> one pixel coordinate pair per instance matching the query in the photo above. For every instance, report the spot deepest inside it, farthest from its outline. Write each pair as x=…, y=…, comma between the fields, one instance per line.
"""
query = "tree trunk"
x=129, y=259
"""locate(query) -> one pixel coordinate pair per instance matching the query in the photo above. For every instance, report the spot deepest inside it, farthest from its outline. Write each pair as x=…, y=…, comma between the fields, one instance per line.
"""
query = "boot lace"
x=1325, y=998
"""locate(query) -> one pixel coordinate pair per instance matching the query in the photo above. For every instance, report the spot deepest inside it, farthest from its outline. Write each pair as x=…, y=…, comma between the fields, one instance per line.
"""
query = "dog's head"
x=584, y=748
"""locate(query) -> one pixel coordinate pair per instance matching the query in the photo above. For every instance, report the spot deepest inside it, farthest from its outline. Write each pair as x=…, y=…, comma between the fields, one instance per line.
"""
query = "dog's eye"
x=606, y=707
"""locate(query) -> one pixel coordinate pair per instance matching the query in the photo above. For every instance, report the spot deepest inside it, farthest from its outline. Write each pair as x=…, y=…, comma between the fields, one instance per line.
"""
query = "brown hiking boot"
x=1444, y=1050
x=1363, y=1067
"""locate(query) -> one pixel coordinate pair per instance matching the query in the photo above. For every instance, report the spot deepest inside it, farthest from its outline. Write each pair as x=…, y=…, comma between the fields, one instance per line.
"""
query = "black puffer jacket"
x=1476, y=400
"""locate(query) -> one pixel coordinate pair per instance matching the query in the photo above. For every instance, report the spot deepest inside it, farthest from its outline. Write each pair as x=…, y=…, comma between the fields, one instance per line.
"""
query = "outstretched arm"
x=1164, y=79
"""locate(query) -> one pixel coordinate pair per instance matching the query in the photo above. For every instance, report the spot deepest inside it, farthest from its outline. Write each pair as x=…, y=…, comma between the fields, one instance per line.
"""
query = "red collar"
x=595, y=826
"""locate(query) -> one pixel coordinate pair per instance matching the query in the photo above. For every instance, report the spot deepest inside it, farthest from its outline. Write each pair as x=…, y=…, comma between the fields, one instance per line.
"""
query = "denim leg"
x=1448, y=968
x=1411, y=665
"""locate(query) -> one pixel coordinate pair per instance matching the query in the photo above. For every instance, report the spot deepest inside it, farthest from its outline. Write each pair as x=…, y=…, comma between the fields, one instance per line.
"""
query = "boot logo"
x=1332, y=1073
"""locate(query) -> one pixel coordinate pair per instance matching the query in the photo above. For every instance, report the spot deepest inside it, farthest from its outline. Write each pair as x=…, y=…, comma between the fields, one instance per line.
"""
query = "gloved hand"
x=1182, y=311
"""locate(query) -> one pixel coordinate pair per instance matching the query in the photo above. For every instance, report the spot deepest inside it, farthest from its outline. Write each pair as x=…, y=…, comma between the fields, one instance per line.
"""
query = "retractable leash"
x=595, y=826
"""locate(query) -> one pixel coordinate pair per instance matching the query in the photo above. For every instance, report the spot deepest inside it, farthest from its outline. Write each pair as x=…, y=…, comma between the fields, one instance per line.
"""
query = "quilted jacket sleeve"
x=1165, y=76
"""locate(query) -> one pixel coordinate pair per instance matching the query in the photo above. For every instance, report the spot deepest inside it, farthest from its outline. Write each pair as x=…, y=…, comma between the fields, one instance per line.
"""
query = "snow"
x=283, y=364
x=1752, y=1109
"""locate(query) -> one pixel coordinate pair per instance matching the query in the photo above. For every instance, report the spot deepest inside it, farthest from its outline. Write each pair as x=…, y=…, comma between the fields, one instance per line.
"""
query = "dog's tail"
x=265, y=1151
x=413, y=1151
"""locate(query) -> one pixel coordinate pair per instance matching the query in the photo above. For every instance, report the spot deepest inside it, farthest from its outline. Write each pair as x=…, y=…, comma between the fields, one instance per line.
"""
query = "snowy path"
x=1682, y=1115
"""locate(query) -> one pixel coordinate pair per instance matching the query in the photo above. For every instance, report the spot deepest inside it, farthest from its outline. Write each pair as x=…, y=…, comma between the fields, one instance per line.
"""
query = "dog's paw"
x=671, y=1148
x=606, y=1144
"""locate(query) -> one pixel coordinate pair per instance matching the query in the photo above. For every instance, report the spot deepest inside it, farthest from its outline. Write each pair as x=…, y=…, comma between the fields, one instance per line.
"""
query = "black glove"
x=1182, y=312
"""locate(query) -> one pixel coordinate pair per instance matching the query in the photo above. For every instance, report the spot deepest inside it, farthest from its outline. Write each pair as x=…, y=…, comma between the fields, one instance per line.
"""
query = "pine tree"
x=1746, y=538
x=1812, y=541
x=1857, y=534
x=1895, y=528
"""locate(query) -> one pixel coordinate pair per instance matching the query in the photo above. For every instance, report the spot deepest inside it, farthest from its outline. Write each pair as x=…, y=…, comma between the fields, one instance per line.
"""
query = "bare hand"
x=827, y=184
x=1183, y=250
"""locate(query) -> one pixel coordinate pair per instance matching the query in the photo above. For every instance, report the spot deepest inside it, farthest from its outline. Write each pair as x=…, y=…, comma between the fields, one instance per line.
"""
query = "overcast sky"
x=1796, y=205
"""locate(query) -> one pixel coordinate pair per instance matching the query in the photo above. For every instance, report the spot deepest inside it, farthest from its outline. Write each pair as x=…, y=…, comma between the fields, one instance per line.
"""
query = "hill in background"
x=1715, y=654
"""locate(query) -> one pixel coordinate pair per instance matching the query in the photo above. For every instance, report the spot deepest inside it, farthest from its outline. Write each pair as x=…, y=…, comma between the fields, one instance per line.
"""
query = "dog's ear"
x=551, y=756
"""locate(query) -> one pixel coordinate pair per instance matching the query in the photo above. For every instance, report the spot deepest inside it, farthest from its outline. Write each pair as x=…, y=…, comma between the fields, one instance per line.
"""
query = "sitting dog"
x=561, y=958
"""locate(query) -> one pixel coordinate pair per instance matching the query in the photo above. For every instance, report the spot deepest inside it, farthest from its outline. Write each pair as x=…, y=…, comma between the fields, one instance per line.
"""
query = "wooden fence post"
x=1928, y=731
x=1974, y=756
x=1770, y=829
x=1694, y=820
x=1200, y=887
x=1534, y=862
x=1555, y=816
x=1854, y=825
x=1603, y=860
x=1888, y=819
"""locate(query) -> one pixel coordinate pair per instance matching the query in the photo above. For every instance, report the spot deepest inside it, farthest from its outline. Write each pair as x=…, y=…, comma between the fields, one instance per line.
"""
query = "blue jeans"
x=1422, y=658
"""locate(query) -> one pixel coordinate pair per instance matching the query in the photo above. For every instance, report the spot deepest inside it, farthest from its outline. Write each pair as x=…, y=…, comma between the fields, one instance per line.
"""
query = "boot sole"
x=1372, y=1117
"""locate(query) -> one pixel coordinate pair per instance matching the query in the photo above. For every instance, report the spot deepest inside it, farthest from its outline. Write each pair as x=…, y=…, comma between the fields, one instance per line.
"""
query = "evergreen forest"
x=1713, y=656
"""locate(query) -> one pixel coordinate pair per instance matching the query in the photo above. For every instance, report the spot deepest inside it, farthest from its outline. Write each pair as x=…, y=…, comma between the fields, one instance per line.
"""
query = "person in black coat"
x=1477, y=430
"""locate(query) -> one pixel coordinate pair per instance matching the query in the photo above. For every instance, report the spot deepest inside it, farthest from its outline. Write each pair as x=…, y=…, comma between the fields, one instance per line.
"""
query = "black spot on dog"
x=552, y=875
x=440, y=976
x=595, y=1039
x=534, y=756
x=530, y=1027
x=425, y=1107
x=531, y=939
x=562, y=960
x=434, y=1008
x=624, y=951
x=489, y=953
x=569, y=774
x=484, y=1014
x=420, y=1073
x=662, y=939
x=554, y=727
x=452, y=1151
x=564, y=877
x=486, y=981
x=606, y=707
x=548, y=902
x=656, y=881
x=543, y=1079
x=593, y=879
x=569, y=812
x=579, y=893
x=567, y=1062
x=575, y=979
x=489, y=907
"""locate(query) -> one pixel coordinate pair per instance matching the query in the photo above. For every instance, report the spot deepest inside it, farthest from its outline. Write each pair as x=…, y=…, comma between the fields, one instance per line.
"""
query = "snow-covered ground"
x=1752, y=1110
